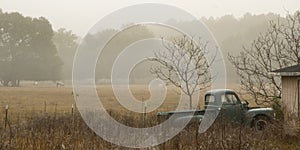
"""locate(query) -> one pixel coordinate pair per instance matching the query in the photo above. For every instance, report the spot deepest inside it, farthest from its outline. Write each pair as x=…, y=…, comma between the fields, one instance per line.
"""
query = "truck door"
x=231, y=107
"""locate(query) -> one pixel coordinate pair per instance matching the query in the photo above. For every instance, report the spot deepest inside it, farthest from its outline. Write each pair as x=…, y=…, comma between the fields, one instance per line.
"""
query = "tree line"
x=31, y=50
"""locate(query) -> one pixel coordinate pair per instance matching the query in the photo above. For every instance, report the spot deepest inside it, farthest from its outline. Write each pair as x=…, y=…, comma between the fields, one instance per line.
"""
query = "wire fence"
x=15, y=115
x=11, y=115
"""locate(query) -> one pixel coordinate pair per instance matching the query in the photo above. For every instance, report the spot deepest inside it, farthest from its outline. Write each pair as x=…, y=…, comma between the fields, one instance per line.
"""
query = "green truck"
x=228, y=105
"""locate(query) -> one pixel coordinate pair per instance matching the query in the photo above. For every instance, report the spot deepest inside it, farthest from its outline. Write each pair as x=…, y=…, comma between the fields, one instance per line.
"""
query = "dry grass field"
x=51, y=99
x=40, y=118
x=26, y=100
x=22, y=100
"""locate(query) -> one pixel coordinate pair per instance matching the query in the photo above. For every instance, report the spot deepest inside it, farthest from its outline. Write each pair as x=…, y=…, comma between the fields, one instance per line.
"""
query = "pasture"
x=50, y=99
x=40, y=117
x=25, y=100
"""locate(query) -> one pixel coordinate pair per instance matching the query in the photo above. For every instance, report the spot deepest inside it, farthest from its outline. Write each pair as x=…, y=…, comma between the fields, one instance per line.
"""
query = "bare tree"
x=184, y=65
x=277, y=48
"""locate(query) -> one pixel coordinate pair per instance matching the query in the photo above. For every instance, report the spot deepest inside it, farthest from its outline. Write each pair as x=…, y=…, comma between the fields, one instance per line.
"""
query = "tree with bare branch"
x=277, y=48
x=184, y=65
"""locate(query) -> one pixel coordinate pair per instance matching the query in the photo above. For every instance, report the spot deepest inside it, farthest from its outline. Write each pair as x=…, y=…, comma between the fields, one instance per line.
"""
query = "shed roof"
x=295, y=68
x=289, y=71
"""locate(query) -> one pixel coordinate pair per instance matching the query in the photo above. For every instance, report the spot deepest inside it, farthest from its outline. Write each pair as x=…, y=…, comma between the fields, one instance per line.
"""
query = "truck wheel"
x=260, y=123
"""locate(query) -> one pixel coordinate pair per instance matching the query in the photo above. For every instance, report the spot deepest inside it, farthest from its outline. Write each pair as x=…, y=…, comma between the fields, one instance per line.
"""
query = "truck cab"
x=236, y=111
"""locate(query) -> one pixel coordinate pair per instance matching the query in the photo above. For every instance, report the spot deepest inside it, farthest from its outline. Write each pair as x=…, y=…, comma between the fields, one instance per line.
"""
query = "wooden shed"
x=290, y=77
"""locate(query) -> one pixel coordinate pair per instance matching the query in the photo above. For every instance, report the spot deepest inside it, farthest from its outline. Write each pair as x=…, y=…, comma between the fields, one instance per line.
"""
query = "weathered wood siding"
x=290, y=96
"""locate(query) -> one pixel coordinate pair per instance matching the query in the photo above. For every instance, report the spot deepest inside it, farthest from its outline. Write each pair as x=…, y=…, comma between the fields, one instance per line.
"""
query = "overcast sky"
x=81, y=15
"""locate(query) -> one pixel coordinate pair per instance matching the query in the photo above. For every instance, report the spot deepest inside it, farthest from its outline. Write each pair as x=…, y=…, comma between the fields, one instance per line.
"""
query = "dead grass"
x=26, y=99
x=65, y=131
x=23, y=100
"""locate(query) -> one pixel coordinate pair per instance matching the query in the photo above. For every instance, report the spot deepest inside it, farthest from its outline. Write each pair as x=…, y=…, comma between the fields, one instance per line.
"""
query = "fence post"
x=45, y=107
x=74, y=115
x=145, y=113
x=55, y=110
x=6, y=116
x=72, y=109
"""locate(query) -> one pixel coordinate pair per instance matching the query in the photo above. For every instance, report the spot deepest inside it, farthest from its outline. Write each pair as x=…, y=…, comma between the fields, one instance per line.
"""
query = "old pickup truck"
x=229, y=105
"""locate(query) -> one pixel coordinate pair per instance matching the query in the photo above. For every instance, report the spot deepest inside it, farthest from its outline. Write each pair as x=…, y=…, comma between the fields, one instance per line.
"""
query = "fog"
x=79, y=16
x=234, y=24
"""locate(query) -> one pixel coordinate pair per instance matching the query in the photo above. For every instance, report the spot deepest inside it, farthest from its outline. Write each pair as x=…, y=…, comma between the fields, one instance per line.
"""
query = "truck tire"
x=260, y=123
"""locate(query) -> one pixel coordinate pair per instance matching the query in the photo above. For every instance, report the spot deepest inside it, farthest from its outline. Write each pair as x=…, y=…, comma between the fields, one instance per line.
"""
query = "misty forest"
x=31, y=50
